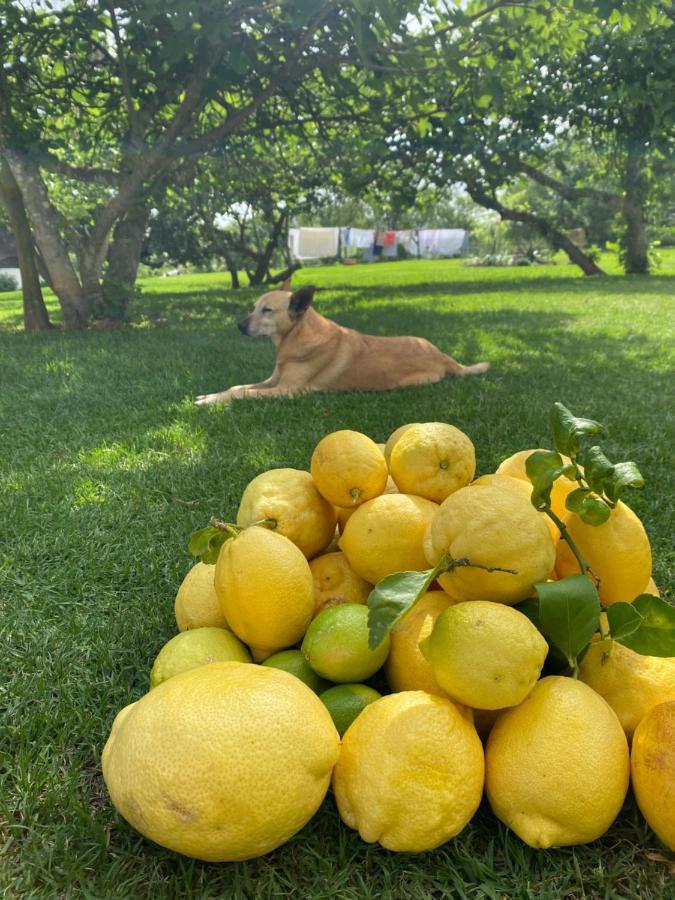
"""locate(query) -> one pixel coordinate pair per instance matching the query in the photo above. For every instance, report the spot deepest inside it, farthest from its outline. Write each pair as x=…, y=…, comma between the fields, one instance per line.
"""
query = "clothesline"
x=328, y=243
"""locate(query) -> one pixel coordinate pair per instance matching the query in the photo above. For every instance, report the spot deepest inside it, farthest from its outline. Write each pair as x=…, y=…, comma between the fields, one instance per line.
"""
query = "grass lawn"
x=106, y=467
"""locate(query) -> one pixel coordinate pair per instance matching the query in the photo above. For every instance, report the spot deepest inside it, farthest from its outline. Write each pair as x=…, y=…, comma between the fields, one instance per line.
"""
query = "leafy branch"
x=396, y=594
x=206, y=542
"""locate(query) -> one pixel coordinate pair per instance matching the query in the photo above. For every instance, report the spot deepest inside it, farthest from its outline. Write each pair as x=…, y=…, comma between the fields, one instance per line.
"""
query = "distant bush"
x=8, y=283
x=664, y=236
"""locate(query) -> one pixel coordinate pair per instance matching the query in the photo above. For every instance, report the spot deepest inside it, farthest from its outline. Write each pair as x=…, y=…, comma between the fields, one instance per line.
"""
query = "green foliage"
x=391, y=599
x=647, y=625
x=8, y=283
x=569, y=614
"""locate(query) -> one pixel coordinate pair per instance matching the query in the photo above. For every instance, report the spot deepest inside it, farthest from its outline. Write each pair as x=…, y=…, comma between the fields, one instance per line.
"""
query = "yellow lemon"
x=386, y=535
x=492, y=527
x=197, y=605
x=223, y=762
x=393, y=437
x=518, y=486
x=515, y=467
x=485, y=655
x=557, y=765
x=344, y=515
x=406, y=668
x=288, y=498
x=617, y=551
x=196, y=647
x=348, y=468
x=651, y=589
x=336, y=582
x=266, y=590
x=653, y=770
x=410, y=773
x=432, y=460
x=629, y=682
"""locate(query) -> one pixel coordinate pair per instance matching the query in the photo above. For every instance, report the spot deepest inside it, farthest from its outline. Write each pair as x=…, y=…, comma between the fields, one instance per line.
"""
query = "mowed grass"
x=106, y=467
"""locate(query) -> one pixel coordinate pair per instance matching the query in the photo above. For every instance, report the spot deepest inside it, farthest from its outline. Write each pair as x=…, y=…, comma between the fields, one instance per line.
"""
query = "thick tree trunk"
x=234, y=276
x=35, y=315
x=43, y=218
x=557, y=238
x=636, y=242
x=124, y=256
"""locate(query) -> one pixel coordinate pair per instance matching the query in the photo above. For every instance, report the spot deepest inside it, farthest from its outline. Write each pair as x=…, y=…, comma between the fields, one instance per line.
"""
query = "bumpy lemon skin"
x=393, y=437
x=406, y=669
x=224, y=762
x=196, y=604
x=348, y=468
x=524, y=489
x=410, y=773
x=432, y=460
x=386, y=535
x=288, y=498
x=653, y=770
x=335, y=582
x=630, y=682
x=492, y=527
x=618, y=552
x=557, y=765
x=266, y=590
x=485, y=655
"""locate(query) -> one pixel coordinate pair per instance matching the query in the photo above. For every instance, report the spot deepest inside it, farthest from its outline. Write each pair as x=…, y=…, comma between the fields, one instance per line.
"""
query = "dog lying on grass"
x=316, y=354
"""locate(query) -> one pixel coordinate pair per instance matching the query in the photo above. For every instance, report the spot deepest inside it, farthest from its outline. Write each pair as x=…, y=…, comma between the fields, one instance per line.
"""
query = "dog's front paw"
x=211, y=399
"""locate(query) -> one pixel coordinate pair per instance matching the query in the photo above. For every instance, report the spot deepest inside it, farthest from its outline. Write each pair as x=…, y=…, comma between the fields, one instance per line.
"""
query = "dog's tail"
x=455, y=368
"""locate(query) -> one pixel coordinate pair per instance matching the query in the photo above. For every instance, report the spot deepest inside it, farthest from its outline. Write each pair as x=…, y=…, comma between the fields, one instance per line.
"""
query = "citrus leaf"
x=569, y=612
x=543, y=467
x=391, y=599
x=623, y=620
x=597, y=468
x=625, y=474
x=567, y=429
x=655, y=635
x=206, y=543
x=588, y=506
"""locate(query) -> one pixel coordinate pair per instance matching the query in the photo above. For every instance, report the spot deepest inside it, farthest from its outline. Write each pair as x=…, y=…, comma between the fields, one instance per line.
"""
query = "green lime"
x=294, y=662
x=346, y=701
x=336, y=644
x=196, y=647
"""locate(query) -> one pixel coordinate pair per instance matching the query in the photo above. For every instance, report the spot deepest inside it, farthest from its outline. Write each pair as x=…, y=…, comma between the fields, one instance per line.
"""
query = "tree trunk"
x=636, y=243
x=234, y=276
x=124, y=256
x=557, y=238
x=43, y=218
x=282, y=276
x=35, y=315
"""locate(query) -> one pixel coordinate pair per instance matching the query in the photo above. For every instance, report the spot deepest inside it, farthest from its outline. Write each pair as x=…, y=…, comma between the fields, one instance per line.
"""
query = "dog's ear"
x=286, y=286
x=300, y=300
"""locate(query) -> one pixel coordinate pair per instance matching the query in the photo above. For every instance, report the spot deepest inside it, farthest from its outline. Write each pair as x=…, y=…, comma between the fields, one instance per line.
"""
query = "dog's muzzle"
x=243, y=326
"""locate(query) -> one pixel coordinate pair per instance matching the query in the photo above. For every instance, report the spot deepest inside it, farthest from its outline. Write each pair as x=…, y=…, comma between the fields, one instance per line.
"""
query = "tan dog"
x=316, y=354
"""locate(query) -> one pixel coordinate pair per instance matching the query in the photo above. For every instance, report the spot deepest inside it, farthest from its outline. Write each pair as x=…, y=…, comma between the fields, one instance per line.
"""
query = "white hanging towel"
x=408, y=239
x=360, y=238
x=442, y=241
x=293, y=238
x=314, y=243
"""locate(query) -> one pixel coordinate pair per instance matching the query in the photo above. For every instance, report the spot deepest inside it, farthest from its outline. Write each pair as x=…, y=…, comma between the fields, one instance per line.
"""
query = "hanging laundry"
x=379, y=238
x=409, y=240
x=359, y=238
x=389, y=239
x=390, y=249
x=443, y=241
x=315, y=243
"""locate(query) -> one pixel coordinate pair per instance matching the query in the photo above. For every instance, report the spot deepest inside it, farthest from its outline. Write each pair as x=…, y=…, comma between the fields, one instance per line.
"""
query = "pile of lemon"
x=260, y=701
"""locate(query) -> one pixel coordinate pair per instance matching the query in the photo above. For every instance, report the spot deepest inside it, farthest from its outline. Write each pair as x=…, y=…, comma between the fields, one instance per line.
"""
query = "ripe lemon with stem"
x=266, y=590
x=498, y=545
x=618, y=553
x=432, y=460
x=348, y=468
x=289, y=502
